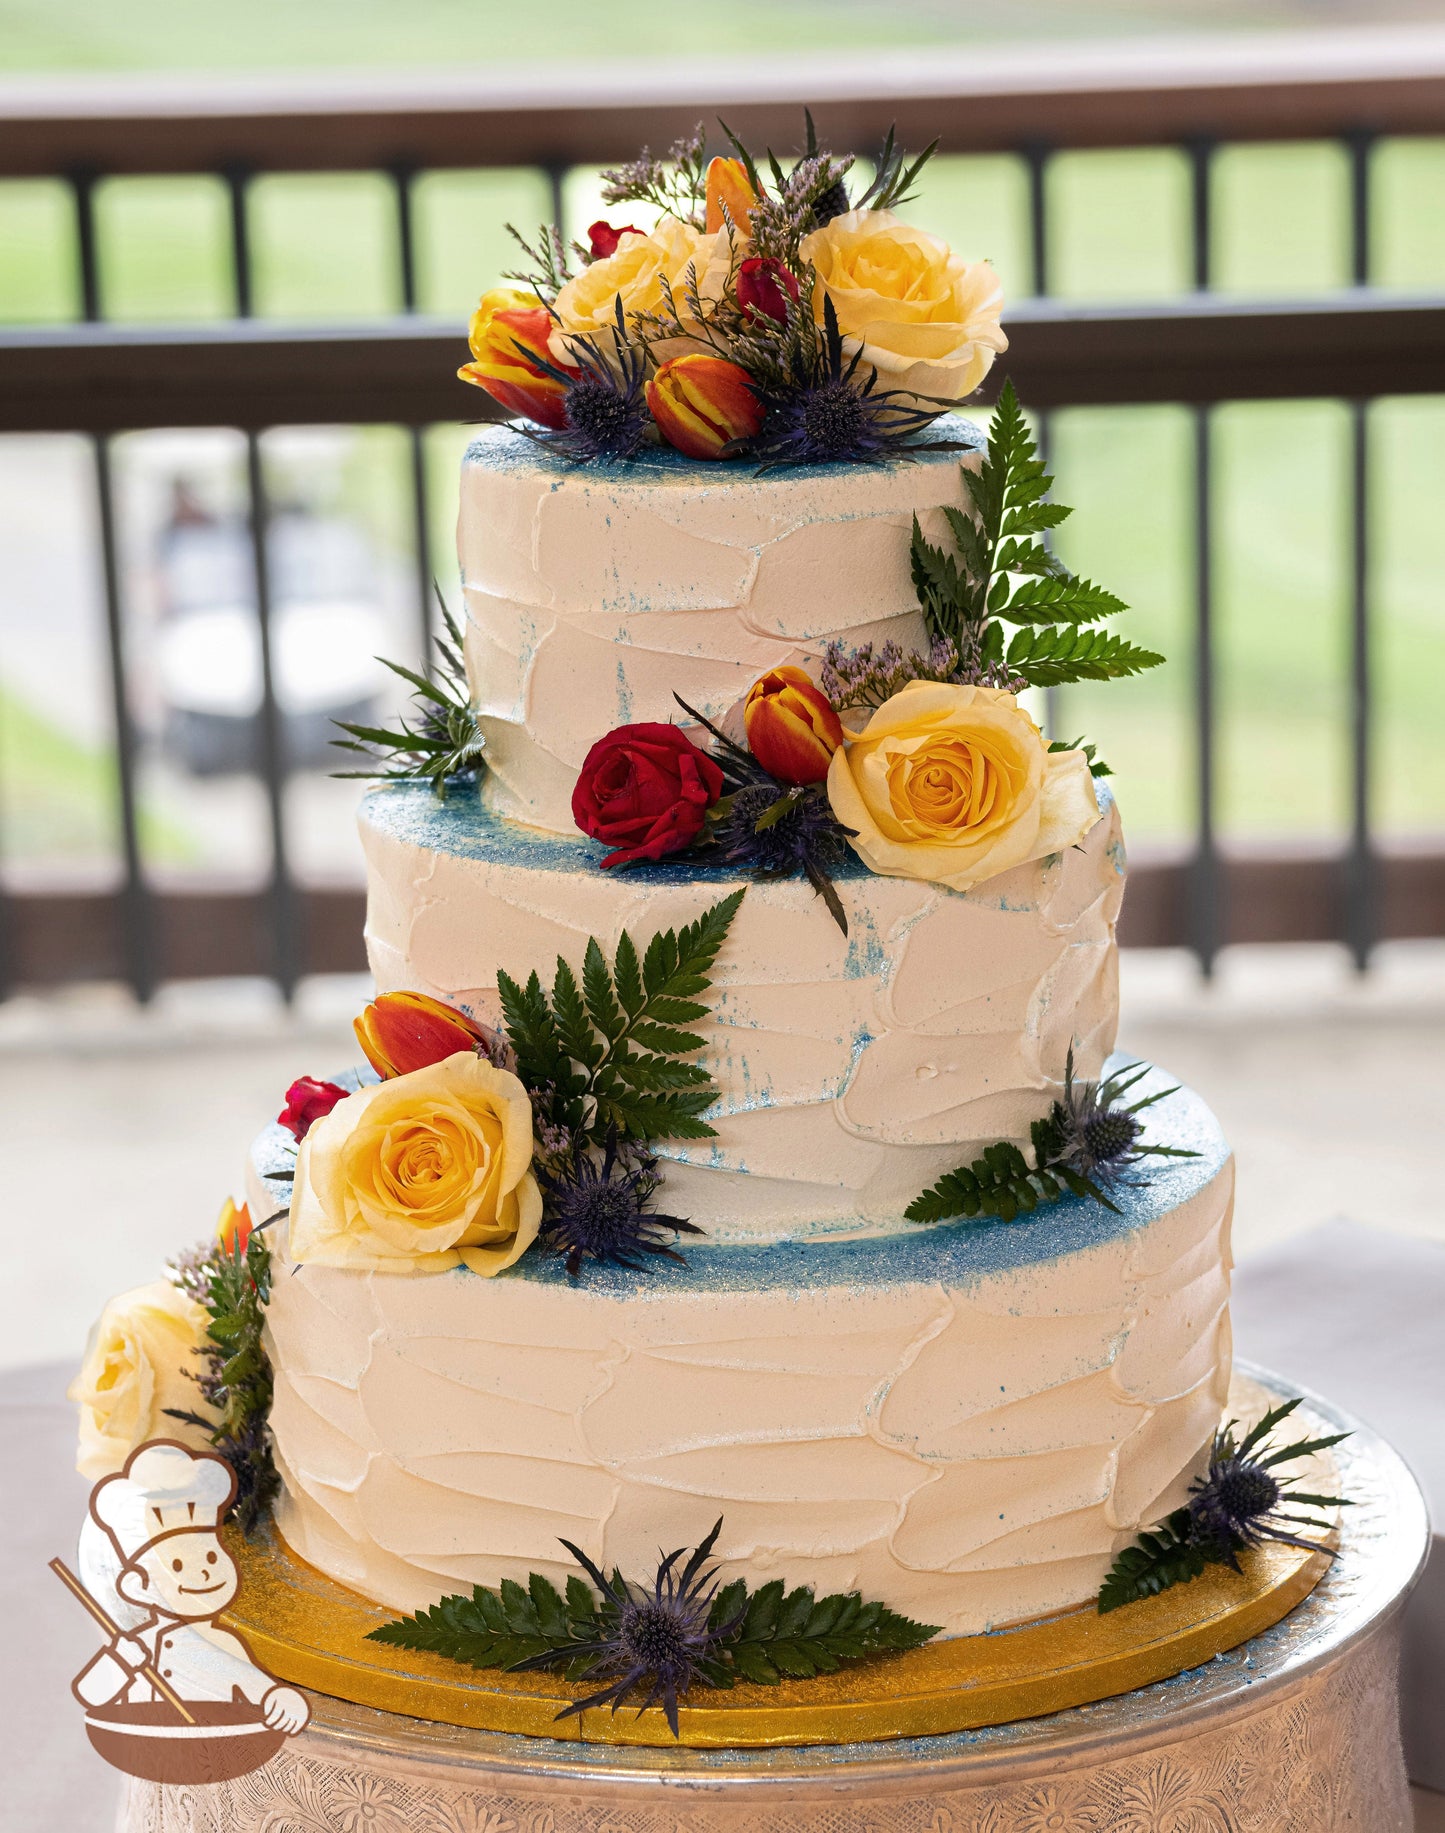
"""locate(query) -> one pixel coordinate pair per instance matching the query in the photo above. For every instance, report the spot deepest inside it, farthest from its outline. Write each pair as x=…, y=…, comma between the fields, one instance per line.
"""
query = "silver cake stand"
x=1295, y=1731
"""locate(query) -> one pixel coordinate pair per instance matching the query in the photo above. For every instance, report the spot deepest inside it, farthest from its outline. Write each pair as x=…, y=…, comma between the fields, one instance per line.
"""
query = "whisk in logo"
x=172, y=1697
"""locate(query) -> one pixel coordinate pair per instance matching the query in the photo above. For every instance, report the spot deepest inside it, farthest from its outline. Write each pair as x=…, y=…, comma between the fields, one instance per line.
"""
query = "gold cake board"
x=309, y=1630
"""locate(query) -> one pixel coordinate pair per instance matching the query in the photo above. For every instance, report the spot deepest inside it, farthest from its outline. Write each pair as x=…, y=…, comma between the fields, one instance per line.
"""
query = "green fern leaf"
x=1164, y=1557
x=1002, y=573
x=729, y=1604
x=629, y=975
x=798, y=1635
x=611, y=1053
x=753, y=1664
x=536, y=1041
x=574, y=1028
x=1060, y=597
x=1054, y=655
x=999, y=1183
x=665, y=1038
x=1029, y=557
x=602, y=1007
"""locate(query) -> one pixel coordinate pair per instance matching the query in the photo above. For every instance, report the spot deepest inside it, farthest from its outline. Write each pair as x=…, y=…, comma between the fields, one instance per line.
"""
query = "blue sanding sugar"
x=502, y=448
x=953, y=1254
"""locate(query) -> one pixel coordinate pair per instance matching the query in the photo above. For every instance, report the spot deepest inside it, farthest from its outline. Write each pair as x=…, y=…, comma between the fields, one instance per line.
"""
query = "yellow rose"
x=955, y=784
x=926, y=320
x=141, y=1358
x=420, y=1173
x=587, y=304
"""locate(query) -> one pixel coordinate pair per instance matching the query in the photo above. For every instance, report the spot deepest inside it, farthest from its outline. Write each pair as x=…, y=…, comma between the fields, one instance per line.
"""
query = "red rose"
x=646, y=790
x=604, y=238
x=308, y=1101
x=765, y=286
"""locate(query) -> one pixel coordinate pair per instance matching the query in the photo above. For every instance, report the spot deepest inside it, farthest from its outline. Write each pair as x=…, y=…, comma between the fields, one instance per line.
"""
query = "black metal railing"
x=1201, y=350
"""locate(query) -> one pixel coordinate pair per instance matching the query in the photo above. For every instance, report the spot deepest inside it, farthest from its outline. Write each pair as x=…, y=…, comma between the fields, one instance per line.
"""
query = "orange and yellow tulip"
x=233, y=1227
x=506, y=326
x=400, y=1032
x=702, y=404
x=792, y=728
x=727, y=183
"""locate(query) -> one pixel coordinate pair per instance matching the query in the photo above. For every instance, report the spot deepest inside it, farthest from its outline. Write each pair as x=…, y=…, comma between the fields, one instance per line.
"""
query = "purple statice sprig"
x=769, y=828
x=675, y=183
x=872, y=673
x=597, y=1206
x=1241, y=1501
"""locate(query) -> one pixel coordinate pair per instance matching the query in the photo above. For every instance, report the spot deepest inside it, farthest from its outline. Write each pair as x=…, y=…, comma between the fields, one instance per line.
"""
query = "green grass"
x=323, y=249
x=58, y=798
x=97, y=35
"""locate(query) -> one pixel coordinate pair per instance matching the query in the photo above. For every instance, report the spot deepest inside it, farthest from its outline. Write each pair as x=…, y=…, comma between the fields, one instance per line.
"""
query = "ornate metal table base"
x=1295, y=1731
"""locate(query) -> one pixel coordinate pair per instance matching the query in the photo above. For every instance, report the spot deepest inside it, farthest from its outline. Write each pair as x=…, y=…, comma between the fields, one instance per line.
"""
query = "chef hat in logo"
x=163, y=1487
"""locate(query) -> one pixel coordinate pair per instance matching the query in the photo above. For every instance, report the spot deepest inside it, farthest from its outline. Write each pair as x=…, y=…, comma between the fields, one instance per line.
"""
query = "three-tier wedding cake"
x=965, y=1422
x=742, y=1136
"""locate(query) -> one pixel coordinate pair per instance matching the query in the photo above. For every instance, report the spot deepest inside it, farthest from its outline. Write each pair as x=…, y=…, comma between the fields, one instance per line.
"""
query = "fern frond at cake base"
x=1238, y=1503
x=656, y=1640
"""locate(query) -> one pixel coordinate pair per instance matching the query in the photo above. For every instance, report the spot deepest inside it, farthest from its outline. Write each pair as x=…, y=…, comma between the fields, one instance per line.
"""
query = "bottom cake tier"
x=963, y=1421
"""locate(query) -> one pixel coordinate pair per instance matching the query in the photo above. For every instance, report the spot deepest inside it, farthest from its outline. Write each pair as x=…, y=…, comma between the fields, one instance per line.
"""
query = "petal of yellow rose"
x=1069, y=805
x=491, y=1259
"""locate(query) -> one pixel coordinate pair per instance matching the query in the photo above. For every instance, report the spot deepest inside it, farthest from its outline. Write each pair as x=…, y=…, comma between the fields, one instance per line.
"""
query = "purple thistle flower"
x=771, y=828
x=605, y=406
x=596, y=1209
x=835, y=413
x=1096, y=1135
x=659, y=1640
x=1241, y=1502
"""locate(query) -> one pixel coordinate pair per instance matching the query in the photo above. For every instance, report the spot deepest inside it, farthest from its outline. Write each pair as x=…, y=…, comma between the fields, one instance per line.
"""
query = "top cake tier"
x=593, y=596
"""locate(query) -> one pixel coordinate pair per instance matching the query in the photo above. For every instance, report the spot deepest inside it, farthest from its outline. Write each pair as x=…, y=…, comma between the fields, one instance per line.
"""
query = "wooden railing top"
x=260, y=372
x=1262, y=86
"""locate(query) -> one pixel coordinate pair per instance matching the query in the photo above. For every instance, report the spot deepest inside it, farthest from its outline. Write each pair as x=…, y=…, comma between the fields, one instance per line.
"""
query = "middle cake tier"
x=853, y=1071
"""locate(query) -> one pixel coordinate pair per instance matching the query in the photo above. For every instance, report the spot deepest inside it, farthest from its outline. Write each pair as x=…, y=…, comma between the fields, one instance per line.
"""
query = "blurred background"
x=237, y=250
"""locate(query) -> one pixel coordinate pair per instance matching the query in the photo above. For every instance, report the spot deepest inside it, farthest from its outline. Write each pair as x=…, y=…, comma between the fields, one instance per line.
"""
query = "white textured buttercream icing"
x=966, y=1422
x=596, y=594
x=853, y=1071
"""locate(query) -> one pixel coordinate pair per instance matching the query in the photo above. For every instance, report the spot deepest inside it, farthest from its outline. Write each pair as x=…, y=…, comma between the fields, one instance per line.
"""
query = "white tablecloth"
x=1359, y=1315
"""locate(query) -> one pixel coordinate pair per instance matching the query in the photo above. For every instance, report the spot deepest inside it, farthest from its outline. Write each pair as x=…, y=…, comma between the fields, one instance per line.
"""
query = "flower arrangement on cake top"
x=790, y=317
